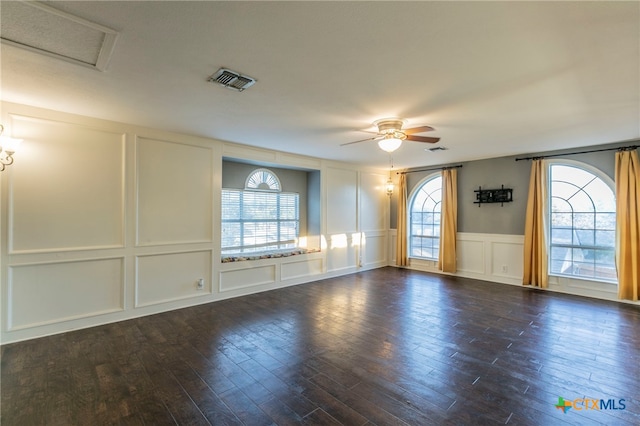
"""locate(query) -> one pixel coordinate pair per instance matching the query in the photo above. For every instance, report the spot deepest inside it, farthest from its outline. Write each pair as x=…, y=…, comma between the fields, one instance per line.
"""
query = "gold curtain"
x=448, y=221
x=535, y=231
x=627, y=177
x=402, y=256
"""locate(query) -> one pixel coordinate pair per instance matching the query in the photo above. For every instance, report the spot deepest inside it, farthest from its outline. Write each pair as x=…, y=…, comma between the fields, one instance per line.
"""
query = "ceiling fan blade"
x=363, y=140
x=415, y=130
x=422, y=139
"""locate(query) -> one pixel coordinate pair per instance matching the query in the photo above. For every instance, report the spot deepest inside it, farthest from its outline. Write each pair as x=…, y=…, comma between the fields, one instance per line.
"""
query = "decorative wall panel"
x=507, y=259
x=54, y=292
x=490, y=257
x=374, y=202
x=249, y=277
x=66, y=190
x=342, y=252
x=342, y=196
x=374, y=248
x=175, y=193
x=167, y=277
x=302, y=268
x=471, y=256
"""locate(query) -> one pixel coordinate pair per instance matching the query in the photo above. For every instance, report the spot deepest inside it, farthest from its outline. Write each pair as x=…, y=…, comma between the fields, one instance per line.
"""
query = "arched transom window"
x=263, y=179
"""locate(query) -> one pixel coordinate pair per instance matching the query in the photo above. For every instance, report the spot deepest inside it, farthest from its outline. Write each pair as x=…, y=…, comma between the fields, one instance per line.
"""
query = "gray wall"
x=314, y=206
x=494, y=172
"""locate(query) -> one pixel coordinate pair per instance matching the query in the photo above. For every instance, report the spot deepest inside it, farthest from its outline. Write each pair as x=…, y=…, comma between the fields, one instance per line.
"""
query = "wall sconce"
x=8, y=147
x=389, y=187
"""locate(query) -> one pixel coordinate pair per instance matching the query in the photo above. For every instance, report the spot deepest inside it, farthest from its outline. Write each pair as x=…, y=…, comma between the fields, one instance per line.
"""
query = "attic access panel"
x=43, y=29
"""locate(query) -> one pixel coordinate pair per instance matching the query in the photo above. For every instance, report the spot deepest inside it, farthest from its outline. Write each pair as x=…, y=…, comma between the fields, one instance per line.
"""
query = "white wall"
x=105, y=221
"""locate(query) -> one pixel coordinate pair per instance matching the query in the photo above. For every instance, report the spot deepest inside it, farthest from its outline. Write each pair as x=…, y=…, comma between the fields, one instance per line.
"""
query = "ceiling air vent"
x=231, y=79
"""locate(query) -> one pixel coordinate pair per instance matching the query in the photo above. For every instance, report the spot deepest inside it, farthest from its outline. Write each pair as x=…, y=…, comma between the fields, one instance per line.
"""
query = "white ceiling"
x=493, y=78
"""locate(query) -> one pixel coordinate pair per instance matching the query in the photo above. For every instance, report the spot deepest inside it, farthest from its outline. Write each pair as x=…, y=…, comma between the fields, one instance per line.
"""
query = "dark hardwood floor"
x=384, y=347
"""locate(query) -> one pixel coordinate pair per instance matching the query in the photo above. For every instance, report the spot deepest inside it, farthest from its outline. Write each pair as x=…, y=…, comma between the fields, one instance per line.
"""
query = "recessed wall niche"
x=305, y=182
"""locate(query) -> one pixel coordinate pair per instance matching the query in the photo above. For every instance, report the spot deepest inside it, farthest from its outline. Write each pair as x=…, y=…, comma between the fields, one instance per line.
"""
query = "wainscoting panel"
x=342, y=253
x=499, y=258
x=40, y=294
x=374, y=248
x=507, y=259
x=392, y=243
x=490, y=257
x=471, y=255
x=66, y=191
x=175, y=193
x=251, y=273
x=168, y=277
x=308, y=266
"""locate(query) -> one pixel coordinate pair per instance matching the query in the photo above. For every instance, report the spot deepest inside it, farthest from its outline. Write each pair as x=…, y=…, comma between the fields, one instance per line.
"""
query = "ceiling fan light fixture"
x=390, y=134
x=389, y=125
x=389, y=144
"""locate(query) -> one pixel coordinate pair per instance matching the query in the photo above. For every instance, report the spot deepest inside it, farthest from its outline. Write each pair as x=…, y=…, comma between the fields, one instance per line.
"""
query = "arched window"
x=263, y=179
x=424, y=218
x=582, y=225
x=260, y=218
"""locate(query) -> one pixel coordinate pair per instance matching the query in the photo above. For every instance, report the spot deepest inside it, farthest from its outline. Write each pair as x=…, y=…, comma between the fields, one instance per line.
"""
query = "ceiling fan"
x=390, y=134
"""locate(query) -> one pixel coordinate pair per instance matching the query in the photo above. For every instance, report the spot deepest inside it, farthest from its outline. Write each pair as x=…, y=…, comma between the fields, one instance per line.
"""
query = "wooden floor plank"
x=382, y=347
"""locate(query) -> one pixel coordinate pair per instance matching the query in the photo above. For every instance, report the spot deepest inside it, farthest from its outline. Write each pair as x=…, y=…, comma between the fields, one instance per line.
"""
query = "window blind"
x=257, y=221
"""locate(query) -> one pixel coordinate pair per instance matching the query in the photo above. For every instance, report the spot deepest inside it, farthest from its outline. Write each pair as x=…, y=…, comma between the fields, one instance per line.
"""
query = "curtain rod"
x=539, y=157
x=427, y=170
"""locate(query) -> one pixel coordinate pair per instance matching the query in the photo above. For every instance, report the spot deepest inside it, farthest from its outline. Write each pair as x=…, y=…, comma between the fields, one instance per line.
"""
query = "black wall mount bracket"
x=485, y=196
